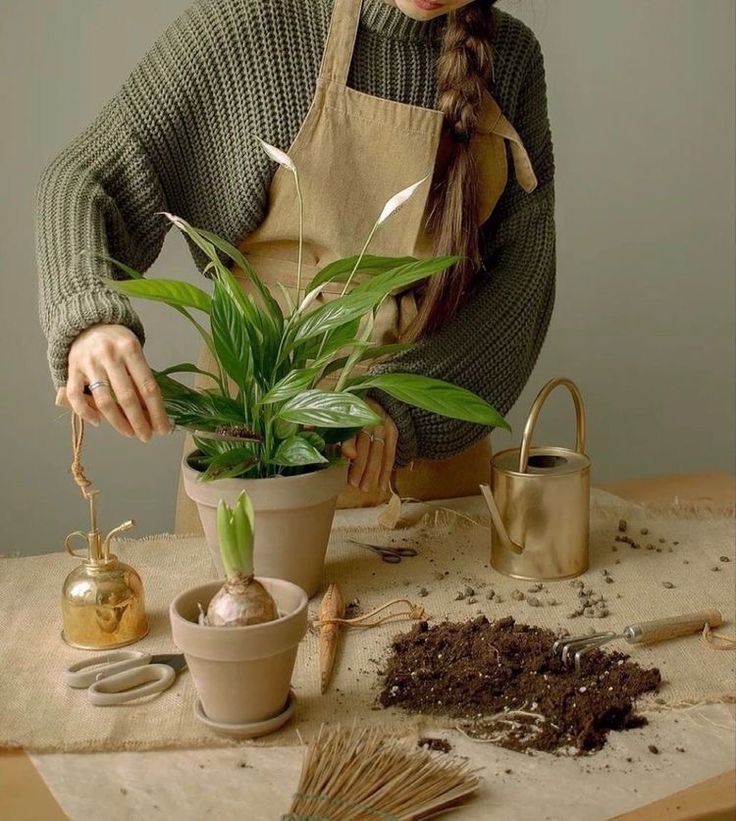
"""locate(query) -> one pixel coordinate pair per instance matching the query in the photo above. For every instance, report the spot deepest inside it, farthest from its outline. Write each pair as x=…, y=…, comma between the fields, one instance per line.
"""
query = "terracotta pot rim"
x=318, y=471
x=247, y=629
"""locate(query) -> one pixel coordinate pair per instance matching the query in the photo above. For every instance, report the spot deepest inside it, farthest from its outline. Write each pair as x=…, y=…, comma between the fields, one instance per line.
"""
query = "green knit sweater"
x=177, y=138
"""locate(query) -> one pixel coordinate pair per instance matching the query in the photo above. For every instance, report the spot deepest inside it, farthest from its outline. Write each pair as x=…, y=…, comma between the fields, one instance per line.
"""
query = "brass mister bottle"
x=102, y=600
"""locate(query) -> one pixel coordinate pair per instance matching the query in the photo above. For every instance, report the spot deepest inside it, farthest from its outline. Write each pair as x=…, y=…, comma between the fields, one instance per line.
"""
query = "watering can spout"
x=503, y=534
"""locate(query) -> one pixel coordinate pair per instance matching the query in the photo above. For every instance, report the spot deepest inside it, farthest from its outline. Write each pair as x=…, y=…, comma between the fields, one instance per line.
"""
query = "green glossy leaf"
x=334, y=314
x=186, y=367
x=293, y=383
x=126, y=269
x=172, y=388
x=404, y=276
x=341, y=337
x=364, y=298
x=203, y=409
x=297, y=451
x=170, y=291
x=314, y=439
x=341, y=269
x=240, y=260
x=283, y=429
x=232, y=341
x=434, y=396
x=369, y=352
x=228, y=465
x=326, y=409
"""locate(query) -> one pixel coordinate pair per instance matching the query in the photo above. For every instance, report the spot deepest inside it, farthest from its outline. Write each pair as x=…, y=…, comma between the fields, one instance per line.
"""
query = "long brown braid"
x=464, y=69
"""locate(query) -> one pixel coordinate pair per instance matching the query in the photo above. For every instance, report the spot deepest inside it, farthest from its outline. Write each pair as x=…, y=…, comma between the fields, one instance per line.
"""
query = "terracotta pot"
x=242, y=674
x=293, y=519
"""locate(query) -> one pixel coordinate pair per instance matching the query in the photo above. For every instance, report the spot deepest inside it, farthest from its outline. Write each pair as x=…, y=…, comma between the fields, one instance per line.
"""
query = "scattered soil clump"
x=505, y=680
x=436, y=745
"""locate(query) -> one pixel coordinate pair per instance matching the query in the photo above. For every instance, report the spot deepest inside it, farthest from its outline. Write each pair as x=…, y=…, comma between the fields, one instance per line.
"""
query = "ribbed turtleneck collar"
x=389, y=21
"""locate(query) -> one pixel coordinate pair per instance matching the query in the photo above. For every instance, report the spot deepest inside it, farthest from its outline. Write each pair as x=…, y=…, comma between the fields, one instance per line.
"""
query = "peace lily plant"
x=277, y=359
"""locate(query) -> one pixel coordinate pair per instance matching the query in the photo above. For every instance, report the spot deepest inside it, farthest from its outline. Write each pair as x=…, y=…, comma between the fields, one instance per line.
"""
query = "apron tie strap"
x=523, y=169
x=338, y=52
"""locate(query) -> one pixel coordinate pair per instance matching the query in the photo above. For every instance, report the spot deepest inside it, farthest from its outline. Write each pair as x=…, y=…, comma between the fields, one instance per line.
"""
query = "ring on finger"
x=99, y=383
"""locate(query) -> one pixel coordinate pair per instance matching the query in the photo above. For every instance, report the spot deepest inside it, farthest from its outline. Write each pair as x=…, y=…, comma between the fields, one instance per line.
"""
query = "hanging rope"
x=77, y=469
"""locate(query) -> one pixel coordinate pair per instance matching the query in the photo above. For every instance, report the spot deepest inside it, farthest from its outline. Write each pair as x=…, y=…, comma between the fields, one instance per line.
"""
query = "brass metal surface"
x=539, y=501
x=102, y=600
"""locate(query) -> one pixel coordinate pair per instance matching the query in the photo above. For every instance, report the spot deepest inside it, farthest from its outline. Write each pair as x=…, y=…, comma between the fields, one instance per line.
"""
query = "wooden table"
x=25, y=797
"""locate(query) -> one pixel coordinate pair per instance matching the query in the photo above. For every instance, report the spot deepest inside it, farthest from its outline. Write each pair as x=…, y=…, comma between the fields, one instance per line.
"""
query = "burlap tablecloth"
x=38, y=712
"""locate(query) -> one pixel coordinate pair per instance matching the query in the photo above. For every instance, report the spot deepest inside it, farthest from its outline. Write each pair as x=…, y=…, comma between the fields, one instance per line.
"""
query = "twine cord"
x=414, y=611
x=77, y=468
x=715, y=641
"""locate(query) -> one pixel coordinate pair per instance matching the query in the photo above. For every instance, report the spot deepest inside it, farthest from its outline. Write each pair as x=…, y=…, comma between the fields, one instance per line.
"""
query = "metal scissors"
x=391, y=555
x=122, y=676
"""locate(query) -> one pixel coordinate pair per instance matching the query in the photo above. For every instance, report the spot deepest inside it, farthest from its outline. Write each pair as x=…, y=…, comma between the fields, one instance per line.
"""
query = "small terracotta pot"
x=242, y=674
x=293, y=519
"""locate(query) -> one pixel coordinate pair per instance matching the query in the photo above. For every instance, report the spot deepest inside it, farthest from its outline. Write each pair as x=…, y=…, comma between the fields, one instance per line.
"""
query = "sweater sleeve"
x=492, y=343
x=100, y=195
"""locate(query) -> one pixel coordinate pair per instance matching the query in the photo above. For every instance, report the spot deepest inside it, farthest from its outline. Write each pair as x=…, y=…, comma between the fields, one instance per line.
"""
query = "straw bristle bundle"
x=355, y=774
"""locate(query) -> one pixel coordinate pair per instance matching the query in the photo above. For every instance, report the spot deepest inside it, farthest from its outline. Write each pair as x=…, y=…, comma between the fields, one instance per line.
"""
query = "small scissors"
x=391, y=555
x=123, y=676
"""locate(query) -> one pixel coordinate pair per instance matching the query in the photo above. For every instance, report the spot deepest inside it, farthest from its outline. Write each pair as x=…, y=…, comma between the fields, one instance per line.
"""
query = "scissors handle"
x=85, y=673
x=131, y=684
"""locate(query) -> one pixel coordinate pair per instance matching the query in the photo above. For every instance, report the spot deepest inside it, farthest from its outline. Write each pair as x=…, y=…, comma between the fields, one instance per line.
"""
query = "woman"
x=367, y=97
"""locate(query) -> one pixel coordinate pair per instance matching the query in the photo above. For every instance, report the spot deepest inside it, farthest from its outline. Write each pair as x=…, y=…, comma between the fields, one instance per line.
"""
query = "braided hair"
x=464, y=70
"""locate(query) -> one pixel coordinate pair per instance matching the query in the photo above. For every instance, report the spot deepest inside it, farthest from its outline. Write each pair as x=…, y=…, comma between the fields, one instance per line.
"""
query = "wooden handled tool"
x=645, y=632
x=670, y=628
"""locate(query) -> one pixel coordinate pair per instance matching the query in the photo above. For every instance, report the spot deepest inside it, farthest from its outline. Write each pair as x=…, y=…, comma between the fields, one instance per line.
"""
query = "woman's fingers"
x=128, y=399
x=350, y=449
x=373, y=453
x=108, y=406
x=372, y=472
x=363, y=447
x=77, y=398
x=389, y=455
x=132, y=404
x=148, y=391
x=374, y=461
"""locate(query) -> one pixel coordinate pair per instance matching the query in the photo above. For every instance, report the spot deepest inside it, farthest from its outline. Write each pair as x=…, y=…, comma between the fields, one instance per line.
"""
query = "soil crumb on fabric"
x=437, y=745
x=509, y=686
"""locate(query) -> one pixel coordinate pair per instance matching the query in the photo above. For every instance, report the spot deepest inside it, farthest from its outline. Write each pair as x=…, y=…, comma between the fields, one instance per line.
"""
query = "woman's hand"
x=372, y=453
x=133, y=404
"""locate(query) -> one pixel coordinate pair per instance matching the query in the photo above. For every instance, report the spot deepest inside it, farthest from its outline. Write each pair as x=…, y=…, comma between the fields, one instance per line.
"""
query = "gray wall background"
x=641, y=99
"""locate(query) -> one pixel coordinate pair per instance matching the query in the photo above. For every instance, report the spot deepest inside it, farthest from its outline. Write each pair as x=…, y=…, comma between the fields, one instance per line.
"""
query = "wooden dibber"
x=332, y=618
x=332, y=607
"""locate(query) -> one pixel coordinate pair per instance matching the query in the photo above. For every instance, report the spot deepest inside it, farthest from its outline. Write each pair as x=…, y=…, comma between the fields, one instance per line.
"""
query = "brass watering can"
x=539, y=501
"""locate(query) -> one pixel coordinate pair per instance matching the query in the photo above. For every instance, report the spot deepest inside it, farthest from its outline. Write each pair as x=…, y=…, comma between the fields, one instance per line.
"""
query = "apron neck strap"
x=338, y=53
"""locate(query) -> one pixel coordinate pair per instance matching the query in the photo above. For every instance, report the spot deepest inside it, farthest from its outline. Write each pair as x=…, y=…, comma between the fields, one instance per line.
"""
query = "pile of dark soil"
x=503, y=679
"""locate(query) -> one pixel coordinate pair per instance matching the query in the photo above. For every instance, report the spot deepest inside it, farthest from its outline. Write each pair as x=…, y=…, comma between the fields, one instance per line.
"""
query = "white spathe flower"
x=177, y=221
x=310, y=298
x=398, y=200
x=279, y=156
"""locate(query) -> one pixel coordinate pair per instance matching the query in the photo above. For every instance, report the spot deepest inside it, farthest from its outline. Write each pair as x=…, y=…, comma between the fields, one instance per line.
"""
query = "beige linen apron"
x=354, y=152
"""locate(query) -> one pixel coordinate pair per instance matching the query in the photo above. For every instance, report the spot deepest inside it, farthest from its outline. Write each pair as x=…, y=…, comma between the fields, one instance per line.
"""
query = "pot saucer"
x=252, y=729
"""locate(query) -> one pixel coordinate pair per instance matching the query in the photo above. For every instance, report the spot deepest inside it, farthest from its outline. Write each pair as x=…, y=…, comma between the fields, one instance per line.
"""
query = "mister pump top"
x=102, y=602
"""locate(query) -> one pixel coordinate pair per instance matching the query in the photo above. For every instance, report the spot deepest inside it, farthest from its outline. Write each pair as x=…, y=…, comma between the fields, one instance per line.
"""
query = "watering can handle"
x=531, y=422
